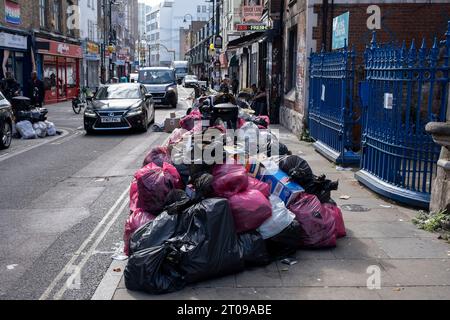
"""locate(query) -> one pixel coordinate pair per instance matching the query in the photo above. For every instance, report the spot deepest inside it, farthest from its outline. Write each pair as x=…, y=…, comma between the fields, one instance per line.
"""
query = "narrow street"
x=63, y=204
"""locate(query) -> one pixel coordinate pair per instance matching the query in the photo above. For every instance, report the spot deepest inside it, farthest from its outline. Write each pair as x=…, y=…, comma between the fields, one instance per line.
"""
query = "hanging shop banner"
x=340, y=31
x=252, y=13
x=92, y=52
x=14, y=41
x=12, y=12
x=51, y=47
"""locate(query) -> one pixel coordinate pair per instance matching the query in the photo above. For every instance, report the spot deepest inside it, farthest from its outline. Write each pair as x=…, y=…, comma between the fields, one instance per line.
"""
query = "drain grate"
x=355, y=208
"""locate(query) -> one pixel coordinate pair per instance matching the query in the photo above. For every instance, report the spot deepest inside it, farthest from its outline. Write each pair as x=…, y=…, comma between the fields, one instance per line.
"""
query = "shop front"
x=15, y=56
x=91, y=65
x=59, y=67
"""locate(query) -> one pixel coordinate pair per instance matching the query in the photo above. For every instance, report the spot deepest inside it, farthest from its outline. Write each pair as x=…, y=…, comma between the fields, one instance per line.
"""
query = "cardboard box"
x=279, y=182
x=172, y=123
x=253, y=164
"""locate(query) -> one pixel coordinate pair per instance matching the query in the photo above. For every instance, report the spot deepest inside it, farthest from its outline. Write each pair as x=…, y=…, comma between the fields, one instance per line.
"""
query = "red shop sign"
x=59, y=48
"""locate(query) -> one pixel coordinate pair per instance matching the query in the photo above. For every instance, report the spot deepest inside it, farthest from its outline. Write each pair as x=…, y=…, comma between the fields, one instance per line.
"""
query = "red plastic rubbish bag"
x=135, y=221
x=158, y=156
x=317, y=224
x=154, y=184
x=188, y=122
x=229, y=180
x=255, y=184
x=338, y=217
x=134, y=195
x=250, y=210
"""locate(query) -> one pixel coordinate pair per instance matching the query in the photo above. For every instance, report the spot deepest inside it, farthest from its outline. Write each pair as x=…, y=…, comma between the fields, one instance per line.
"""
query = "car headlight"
x=135, y=111
x=171, y=89
x=90, y=113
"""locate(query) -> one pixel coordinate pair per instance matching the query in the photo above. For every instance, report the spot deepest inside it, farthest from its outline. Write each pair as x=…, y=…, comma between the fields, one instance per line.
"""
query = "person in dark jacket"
x=36, y=90
x=10, y=87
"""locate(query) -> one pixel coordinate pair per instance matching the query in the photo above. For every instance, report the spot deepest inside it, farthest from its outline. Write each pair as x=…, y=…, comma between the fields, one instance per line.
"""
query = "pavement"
x=63, y=205
x=384, y=256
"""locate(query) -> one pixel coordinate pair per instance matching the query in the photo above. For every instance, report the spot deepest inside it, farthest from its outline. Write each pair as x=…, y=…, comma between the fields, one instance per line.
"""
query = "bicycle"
x=82, y=101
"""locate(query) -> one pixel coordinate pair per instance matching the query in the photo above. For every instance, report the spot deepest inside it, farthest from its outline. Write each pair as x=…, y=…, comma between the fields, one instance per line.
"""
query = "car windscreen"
x=181, y=70
x=156, y=77
x=191, y=78
x=118, y=92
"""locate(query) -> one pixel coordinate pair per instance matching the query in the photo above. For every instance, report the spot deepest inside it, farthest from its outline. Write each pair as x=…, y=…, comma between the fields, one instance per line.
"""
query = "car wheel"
x=145, y=125
x=6, y=136
x=89, y=131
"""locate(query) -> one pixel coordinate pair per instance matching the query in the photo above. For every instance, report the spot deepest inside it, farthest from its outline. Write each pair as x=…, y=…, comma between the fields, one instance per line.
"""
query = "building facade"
x=165, y=24
x=90, y=37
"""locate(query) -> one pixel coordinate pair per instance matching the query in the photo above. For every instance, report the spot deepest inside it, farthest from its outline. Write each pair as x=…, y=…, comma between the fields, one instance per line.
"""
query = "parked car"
x=162, y=84
x=6, y=122
x=120, y=107
x=190, y=81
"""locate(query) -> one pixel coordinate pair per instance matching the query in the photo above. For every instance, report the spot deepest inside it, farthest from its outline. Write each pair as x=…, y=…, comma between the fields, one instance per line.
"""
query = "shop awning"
x=245, y=40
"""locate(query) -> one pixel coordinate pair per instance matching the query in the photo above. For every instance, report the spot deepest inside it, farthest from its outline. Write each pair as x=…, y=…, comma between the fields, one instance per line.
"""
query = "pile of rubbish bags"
x=42, y=129
x=193, y=222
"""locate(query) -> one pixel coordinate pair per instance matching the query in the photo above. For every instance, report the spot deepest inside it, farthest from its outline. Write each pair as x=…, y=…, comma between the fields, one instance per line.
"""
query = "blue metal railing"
x=405, y=89
x=331, y=105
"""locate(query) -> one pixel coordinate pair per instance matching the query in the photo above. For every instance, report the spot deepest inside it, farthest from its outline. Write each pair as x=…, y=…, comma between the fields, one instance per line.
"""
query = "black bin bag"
x=199, y=244
x=253, y=249
x=285, y=243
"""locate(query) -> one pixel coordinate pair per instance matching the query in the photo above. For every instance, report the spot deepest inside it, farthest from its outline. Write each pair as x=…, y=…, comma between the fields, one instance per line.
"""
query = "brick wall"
x=399, y=22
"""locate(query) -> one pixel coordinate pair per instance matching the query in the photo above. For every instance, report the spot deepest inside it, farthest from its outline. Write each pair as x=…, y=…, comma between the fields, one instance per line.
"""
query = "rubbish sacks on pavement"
x=318, y=225
x=250, y=210
x=204, y=244
x=281, y=218
x=212, y=220
x=154, y=184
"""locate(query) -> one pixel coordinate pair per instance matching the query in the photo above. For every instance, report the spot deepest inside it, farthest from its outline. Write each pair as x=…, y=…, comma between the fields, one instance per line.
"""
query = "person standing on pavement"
x=235, y=84
x=36, y=90
x=260, y=101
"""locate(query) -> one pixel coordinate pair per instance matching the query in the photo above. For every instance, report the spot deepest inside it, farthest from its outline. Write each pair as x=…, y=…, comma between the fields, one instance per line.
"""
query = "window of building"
x=42, y=15
x=291, y=71
x=57, y=15
x=199, y=9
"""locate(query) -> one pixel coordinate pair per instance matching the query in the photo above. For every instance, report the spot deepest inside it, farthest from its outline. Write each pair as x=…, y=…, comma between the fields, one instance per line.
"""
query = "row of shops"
x=63, y=64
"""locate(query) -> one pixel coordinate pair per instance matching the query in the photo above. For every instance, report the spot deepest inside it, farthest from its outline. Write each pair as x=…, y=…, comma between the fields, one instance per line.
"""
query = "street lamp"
x=188, y=15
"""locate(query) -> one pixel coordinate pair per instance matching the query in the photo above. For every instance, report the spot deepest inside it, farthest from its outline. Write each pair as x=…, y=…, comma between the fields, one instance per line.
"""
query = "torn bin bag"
x=318, y=225
x=229, y=180
x=253, y=249
x=204, y=245
x=250, y=210
x=154, y=184
x=135, y=221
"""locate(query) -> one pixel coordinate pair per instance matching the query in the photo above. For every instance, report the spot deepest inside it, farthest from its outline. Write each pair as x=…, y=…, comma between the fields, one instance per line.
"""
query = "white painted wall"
x=88, y=19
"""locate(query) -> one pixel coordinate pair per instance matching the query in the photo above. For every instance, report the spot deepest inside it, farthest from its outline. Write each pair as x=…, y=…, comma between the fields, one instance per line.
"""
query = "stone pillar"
x=440, y=196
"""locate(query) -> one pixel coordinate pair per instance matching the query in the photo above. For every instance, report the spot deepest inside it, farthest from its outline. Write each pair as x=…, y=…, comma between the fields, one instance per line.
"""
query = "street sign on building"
x=341, y=30
x=218, y=42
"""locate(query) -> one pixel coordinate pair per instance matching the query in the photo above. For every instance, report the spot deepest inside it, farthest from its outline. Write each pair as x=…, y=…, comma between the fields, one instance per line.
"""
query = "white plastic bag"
x=25, y=128
x=41, y=129
x=280, y=220
x=51, y=129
